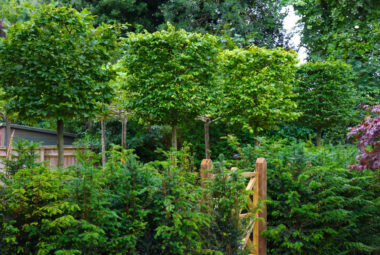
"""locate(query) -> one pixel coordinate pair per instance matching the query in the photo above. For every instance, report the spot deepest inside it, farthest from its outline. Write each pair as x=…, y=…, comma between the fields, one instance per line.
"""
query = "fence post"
x=42, y=154
x=206, y=166
x=261, y=189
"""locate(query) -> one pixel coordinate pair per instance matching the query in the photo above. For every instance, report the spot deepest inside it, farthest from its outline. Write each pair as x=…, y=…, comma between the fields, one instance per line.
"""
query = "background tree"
x=54, y=66
x=258, y=86
x=248, y=21
x=212, y=111
x=326, y=95
x=13, y=11
x=170, y=72
x=347, y=30
x=3, y=112
x=122, y=101
x=138, y=13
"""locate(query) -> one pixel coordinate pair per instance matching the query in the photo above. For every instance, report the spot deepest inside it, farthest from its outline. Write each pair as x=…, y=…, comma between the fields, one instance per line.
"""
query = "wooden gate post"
x=206, y=166
x=261, y=189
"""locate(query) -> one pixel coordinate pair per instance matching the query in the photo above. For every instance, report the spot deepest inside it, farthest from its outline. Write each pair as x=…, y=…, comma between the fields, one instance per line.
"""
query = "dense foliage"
x=367, y=135
x=346, y=30
x=171, y=74
x=124, y=208
x=316, y=204
x=325, y=95
x=58, y=64
x=53, y=66
x=257, y=85
x=140, y=13
x=59, y=47
x=246, y=21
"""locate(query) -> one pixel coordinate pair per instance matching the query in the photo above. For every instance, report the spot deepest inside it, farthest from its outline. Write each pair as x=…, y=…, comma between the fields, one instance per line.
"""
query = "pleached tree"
x=171, y=73
x=54, y=66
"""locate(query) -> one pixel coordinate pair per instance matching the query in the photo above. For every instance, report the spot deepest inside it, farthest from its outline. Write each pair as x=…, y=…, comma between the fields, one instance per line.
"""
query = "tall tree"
x=247, y=21
x=257, y=85
x=347, y=30
x=3, y=112
x=121, y=106
x=53, y=66
x=17, y=10
x=326, y=95
x=171, y=72
x=144, y=13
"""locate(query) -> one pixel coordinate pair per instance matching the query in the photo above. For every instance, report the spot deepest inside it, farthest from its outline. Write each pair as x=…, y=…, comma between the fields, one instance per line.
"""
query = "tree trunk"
x=207, y=139
x=103, y=130
x=319, y=137
x=7, y=131
x=88, y=125
x=256, y=135
x=124, y=132
x=61, y=143
x=174, y=137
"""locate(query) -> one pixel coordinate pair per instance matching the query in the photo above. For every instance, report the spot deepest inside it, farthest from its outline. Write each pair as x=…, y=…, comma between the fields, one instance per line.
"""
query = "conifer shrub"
x=316, y=204
x=35, y=212
x=25, y=153
x=126, y=207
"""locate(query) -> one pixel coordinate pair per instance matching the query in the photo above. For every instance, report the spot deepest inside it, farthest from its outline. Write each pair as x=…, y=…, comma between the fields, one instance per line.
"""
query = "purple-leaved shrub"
x=368, y=136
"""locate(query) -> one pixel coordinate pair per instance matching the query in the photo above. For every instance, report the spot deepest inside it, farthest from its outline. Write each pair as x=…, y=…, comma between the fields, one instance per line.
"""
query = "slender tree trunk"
x=174, y=137
x=7, y=130
x=319, y=137
x=256, y=135
x=207, y=139
x=124, y=132
x=103, y=130
x=89, y=125
x=61, y=143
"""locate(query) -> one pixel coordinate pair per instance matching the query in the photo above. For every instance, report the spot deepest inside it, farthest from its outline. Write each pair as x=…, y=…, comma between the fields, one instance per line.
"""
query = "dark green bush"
x=25, y=152
x=35, y=212
x=316, y=205
x=124, y=208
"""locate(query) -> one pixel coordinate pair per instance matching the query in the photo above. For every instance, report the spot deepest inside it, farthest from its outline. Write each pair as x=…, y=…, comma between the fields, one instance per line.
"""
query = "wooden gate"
x=253, y=240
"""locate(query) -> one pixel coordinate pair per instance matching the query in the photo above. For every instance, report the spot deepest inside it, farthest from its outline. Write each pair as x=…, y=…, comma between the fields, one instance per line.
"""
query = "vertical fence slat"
x=42, y=154
x=261, y=193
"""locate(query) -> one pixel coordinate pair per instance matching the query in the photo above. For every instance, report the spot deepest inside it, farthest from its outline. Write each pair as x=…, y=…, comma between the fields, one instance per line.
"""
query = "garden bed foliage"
x=124, y=208
x=316, y=204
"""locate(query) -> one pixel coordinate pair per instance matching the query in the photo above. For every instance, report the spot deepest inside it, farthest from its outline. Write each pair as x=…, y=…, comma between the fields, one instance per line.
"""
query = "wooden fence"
x=48, y=154
x=253, y=240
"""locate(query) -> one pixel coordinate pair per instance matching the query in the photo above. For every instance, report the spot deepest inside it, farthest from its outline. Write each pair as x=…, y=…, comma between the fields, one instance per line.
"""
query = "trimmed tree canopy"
x=171, y=71
x=326, y=95
x=258, y=86
x=53, y=65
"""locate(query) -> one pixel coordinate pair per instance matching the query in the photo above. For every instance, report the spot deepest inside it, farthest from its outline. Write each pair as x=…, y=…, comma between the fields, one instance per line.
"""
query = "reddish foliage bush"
x=368, y=136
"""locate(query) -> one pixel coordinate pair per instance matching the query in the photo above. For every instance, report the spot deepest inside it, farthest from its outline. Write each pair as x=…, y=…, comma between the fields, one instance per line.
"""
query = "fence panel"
x=48, y=154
